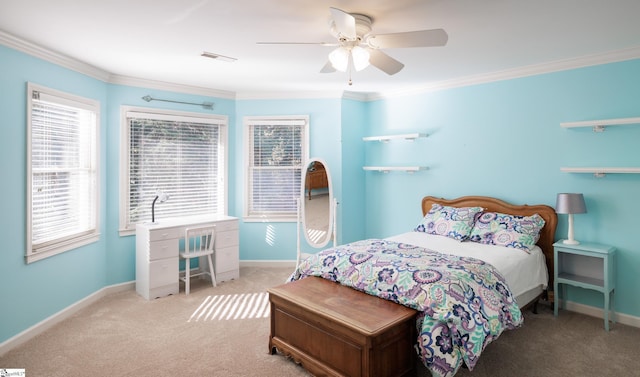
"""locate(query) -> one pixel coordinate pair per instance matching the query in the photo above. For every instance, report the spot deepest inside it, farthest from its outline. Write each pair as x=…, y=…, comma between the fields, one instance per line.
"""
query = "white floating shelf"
x=386, y=169
x=386, y=138
x=598, y=125
x=600, y=172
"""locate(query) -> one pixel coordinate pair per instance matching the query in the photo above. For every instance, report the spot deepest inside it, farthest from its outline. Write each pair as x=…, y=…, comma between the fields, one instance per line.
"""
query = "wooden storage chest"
x=333, y=330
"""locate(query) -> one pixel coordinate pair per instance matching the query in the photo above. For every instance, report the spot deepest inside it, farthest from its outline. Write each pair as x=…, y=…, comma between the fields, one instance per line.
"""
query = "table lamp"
x=162, y=197
x=570, y=204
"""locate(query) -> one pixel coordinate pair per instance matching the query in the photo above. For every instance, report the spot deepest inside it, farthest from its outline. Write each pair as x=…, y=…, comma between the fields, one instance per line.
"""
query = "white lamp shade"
x=360, y=58
x=162, y=196
x=339, y=59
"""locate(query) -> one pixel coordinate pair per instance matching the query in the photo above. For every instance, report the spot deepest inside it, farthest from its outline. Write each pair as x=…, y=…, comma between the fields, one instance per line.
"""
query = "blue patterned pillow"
x=519, y=232
x=451, y=222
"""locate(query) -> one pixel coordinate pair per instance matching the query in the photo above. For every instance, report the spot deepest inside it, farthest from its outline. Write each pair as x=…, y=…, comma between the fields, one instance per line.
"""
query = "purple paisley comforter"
x=464, y=303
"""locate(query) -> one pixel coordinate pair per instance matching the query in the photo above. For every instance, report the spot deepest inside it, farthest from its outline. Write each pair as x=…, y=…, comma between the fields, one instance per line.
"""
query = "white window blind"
x=277, y=148
x=181, y=156
x=63, y=183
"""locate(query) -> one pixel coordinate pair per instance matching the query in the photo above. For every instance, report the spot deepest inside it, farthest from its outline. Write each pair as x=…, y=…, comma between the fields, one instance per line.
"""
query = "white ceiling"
x=161, y=40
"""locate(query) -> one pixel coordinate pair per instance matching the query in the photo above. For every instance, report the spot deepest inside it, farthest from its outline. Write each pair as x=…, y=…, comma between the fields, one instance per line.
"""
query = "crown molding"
x=179, y=88
x=509, y=74
x=356, y=96
x=52, y=56
x=100, y=74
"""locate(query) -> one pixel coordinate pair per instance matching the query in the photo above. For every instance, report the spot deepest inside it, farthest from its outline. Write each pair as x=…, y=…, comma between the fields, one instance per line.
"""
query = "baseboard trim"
x=63, y=314
x=268, y=263
x=592, y=311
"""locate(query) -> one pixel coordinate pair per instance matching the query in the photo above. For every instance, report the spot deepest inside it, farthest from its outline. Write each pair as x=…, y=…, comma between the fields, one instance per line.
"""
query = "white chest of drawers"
x=158, y=246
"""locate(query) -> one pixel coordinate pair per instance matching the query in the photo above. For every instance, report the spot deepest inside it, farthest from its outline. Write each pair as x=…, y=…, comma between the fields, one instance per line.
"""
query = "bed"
x=468, y=268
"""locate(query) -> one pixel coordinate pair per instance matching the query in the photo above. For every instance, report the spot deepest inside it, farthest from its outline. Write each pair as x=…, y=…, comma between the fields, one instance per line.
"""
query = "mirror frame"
x=303, y=182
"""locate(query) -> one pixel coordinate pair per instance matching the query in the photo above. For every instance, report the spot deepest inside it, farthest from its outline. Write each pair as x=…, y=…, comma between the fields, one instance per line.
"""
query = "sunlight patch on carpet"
x=231, y=307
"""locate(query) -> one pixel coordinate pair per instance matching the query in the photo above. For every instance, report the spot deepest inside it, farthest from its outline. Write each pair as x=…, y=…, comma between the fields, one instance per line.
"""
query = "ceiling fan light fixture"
x=339, y=59
x=360, y=58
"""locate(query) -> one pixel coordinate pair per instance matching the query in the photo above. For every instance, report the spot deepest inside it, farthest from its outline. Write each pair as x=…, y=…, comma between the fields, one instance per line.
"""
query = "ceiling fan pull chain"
x=350, y=67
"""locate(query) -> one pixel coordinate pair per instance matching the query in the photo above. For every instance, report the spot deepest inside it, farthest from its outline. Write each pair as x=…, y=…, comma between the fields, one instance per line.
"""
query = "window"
x=180, y=154
x=62, y=172
x=277, y=147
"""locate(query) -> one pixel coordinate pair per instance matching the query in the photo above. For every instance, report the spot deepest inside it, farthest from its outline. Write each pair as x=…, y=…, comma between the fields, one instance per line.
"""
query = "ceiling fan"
x=358, y=48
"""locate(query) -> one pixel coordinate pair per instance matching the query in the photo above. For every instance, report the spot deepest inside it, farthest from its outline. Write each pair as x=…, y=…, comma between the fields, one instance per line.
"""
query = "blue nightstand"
x=586, y=265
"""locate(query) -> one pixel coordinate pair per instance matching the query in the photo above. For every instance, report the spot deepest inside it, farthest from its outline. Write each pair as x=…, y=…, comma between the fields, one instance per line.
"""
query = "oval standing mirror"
x=316, y=204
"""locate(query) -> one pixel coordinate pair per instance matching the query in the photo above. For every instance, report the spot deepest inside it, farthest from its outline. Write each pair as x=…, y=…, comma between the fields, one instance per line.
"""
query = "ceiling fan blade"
x=328, y=68
x=329, y=44
x=384, y=62
x=421, y=38
x=345, y=23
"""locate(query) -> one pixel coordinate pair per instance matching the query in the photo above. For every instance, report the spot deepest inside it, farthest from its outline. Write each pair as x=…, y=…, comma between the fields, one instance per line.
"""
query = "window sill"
x=269, y=219
x=62, y=247
x=127, y=232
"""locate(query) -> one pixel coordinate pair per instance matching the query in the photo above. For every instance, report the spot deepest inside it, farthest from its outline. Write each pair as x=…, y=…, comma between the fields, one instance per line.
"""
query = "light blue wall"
x=504, y=139
x=501, y=139
x=352, y=205
x=30, y=293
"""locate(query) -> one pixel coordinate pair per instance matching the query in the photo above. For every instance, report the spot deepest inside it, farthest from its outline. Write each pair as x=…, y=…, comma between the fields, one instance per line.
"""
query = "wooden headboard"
x=547, y=234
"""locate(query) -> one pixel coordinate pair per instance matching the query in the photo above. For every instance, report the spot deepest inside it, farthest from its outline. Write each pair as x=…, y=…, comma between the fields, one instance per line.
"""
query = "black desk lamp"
x=160, y=195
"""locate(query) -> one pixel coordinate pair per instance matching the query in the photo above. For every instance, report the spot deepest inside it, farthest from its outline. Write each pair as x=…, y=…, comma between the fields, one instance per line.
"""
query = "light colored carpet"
x=223, y=331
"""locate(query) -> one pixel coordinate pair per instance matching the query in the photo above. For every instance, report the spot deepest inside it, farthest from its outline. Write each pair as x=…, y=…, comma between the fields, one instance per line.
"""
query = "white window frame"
x=91, y=231
x=127, y=228
x=249, y=122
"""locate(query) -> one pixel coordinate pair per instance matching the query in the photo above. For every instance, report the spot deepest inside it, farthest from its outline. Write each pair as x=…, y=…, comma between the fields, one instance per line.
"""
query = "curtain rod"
x=205, y=105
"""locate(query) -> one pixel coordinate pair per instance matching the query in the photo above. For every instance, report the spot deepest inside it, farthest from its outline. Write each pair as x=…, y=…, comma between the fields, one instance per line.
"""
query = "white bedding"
x=523, y=272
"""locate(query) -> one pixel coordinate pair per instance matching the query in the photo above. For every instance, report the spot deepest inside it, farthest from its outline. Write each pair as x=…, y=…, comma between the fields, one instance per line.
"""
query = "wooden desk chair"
x=198, y=242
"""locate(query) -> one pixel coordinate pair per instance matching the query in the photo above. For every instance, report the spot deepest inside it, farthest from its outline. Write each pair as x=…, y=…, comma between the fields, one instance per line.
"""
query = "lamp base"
x=571, y=242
